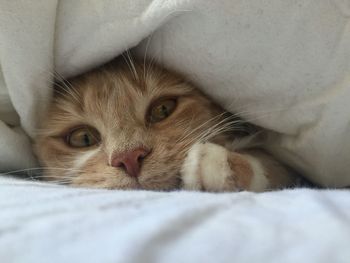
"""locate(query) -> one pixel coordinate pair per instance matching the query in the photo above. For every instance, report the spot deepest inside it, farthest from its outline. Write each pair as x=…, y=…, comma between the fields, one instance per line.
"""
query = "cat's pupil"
x=164, y=110
x=86, y=139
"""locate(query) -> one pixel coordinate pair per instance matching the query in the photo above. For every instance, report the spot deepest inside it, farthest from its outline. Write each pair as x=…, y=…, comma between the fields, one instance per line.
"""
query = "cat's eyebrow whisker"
x=145, y=56
x=67, y=92
x=64, y=94
x=60, y=85
x=64, y=81
x=64, y=84
x=151, y=63
x=127, y=57
x=61, y=82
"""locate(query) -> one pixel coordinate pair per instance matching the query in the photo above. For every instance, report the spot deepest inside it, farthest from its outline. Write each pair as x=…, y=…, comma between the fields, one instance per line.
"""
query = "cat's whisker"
x=63, y=84
x=23, y=170
x=199, y=127
x=145, y=56
x=219, y=128
x=129, y=61
x=208, y=136
x=67, y=83
x=60, y=182
x=198, y=137
x=40, y=169
x=33, y=174
x=250, y=115
x=151, y=63
x=225, y=127
x=213, y=127
x=56, y=76
x=58, y=177
x=67, y=92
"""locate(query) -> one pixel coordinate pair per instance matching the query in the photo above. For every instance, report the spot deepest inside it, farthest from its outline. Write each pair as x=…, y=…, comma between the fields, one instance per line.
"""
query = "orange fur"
x=114, y=99
x=115, y=102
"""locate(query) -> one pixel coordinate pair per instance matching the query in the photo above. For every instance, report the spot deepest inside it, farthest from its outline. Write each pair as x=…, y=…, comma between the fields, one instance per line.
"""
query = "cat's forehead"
x=123, y=83
x=118, y=91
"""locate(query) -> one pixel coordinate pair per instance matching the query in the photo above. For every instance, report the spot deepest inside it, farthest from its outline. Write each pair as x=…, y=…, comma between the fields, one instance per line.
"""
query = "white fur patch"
x=206, y=167
x=259, y=181
x=83, y=158
x=190, y=167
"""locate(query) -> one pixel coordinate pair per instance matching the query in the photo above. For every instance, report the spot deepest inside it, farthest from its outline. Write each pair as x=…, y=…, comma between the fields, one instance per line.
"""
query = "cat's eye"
x=84, y=136
x=161, y=110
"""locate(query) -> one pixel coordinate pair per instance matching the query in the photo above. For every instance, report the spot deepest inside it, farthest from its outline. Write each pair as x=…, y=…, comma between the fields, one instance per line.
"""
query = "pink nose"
x=130, y=161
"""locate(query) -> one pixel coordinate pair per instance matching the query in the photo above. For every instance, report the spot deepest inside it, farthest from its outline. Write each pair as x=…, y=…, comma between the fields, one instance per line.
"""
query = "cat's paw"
x=211, y=167
x=206, y=167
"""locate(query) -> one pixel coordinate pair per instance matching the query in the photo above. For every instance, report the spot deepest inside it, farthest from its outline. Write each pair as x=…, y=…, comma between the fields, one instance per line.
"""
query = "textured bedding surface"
x=48, y=223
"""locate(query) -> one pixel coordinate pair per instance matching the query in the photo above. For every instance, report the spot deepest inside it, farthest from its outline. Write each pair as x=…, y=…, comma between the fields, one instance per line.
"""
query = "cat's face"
x=123, y=128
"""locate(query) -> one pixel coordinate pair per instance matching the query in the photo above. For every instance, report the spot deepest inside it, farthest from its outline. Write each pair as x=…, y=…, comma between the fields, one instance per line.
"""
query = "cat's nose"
x=130, y=161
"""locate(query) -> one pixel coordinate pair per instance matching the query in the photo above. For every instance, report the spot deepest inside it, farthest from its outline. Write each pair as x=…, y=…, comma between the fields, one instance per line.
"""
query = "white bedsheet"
x=41, y=223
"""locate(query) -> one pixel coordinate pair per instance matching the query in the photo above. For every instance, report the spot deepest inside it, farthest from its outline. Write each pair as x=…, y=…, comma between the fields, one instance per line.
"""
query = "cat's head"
x=123, y=126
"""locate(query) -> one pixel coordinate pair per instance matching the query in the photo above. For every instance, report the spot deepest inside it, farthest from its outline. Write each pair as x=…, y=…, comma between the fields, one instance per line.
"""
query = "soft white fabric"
x=41, y=223
x=282, y=64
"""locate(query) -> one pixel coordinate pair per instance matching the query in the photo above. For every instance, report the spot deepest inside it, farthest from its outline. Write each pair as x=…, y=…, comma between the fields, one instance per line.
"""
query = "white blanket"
x=60, y=224
x=284, y=65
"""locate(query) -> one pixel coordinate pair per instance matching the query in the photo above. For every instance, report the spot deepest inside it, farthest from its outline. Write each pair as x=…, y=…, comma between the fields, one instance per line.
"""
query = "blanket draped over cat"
x=284, y=65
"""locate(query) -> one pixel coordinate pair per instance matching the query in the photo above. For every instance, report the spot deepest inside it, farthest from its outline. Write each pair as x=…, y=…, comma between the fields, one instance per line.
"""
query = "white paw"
x=206, y=167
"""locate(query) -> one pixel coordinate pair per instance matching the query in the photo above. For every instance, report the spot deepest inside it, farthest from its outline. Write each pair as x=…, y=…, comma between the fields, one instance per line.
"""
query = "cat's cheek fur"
x=82, y=159
x=213, y=168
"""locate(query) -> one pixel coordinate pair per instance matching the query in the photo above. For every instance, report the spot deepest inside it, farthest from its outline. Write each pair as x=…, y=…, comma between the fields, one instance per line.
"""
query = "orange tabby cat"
x=135, y=126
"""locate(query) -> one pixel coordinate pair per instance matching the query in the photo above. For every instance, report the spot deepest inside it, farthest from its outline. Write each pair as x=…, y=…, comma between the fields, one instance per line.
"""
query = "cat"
x=136, y=125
